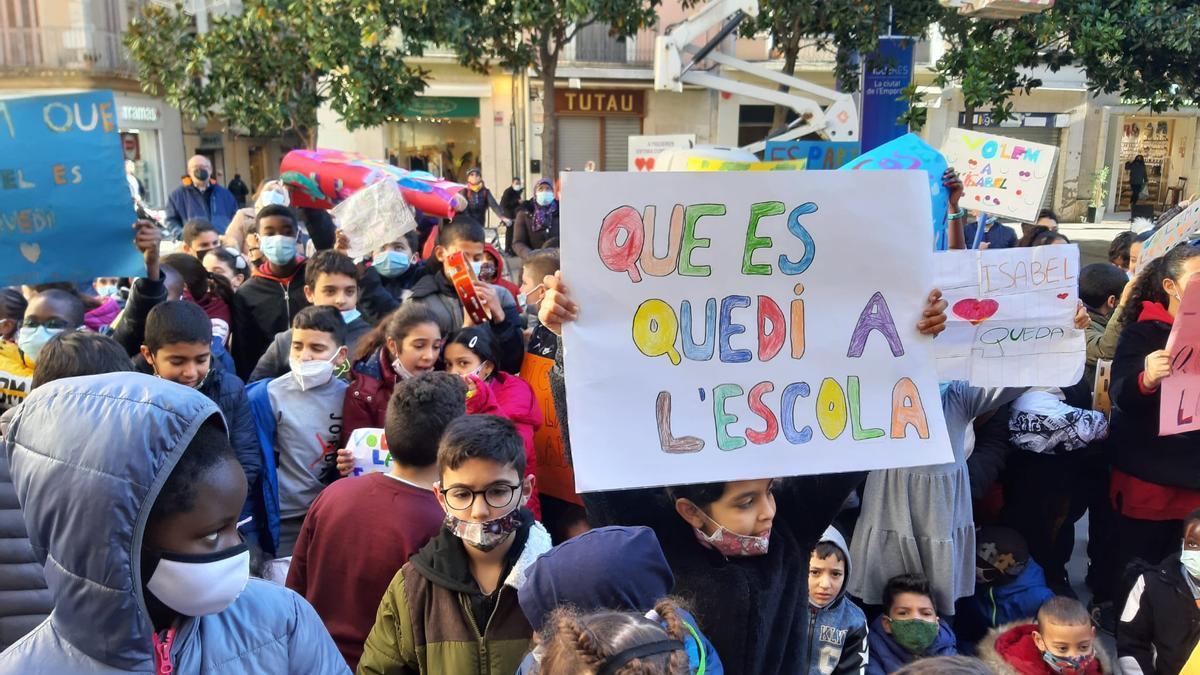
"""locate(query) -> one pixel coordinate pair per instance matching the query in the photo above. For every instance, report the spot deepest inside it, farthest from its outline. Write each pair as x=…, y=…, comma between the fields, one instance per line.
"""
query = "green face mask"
x=914, y=635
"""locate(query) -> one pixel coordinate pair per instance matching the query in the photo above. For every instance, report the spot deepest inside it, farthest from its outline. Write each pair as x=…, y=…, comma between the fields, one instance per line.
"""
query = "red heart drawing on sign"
x=649, y=163
x=975, y=311
x=971, y=162
x=640, y=163
x=1063, y=296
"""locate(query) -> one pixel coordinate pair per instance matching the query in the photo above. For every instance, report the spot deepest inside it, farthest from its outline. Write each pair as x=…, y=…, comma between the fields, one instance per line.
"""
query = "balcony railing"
x=593, y=44
x=63, y=49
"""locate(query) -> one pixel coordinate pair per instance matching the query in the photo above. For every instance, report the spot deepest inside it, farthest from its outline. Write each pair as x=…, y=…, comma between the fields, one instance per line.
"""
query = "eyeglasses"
x=497, y=496
x=52, y=324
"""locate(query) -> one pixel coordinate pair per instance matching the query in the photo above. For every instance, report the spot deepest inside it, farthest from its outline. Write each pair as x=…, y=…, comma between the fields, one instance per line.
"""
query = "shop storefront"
x=1163, y=142
x=150, y=138
x=594, y=125
x=438, y=134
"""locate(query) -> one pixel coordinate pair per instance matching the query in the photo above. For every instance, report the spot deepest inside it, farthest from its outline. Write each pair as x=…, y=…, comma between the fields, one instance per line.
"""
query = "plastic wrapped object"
x=374, y=216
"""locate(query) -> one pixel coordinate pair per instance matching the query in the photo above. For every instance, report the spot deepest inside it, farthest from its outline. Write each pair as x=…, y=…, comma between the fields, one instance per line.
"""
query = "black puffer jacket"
x=1137, y=449
x=1160, y=626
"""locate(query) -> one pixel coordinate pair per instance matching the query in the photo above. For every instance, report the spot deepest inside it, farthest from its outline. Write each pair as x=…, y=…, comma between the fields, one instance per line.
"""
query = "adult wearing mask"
x=480, y=198
x=511, y=203
x=539, y=229
x=200, y=197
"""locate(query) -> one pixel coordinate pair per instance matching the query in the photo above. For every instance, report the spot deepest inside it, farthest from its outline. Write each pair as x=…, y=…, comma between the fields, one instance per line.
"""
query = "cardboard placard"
x=370, y=449
x=722, y=335
x=644, y=150
x=1178, y=230
x=1011, y=321
x=554, y=476
x=816, y=154
x=1002, y=176
x=66, y=213
x=1179, y=409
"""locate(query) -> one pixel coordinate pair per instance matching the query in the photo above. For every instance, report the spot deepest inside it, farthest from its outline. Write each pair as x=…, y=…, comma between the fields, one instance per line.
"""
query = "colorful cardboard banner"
x=1011, y=321
x=816, y=154
x=709, y=164
x=1179, y=409
x=370, y=449
x=909, y=152
x=644, y=150
x=1002, y=176
x=728, y=329
x=1177, y=231
x=65, y=209
x=886, y=73
x=554, y=475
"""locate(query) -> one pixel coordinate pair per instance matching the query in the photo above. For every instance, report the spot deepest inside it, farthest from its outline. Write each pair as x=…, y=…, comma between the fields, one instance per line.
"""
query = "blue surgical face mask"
x=476, y=267
x=350, y=315
x=280, y=249
x=31, y=340
x=108, y=291
x=391, y=264
x=544, y=198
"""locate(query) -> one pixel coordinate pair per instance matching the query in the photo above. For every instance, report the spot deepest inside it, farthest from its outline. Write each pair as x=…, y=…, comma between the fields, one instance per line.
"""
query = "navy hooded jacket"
x=216, y=205
x=887, y=656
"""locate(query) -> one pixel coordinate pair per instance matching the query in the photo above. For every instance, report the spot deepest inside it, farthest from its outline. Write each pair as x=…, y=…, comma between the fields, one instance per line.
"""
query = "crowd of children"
x=235, y=527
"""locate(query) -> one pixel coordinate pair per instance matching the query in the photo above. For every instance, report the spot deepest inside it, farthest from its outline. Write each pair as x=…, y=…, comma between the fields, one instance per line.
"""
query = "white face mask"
x=198, y=585
x=1191, y=562
x=312, y=374
x=401, y=371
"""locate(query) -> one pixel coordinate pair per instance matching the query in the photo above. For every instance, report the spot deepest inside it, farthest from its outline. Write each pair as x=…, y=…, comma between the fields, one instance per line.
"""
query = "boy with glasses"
x=453, y=606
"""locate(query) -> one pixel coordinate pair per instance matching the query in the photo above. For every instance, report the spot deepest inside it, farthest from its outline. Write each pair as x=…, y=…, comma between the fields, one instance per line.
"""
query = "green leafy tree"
x=544, y=27
x=270, y=68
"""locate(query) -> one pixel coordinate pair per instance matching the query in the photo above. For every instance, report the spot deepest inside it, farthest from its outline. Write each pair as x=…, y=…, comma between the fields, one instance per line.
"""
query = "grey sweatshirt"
x=309, y=424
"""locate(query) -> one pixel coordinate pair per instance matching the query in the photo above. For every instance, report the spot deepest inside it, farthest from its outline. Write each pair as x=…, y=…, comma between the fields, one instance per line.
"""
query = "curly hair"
x=418, y=413
x=1149, y=284
x=576, y=644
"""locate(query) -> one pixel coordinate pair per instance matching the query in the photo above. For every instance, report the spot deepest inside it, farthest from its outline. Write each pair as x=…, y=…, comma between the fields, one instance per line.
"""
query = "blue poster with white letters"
x=818, y=154
x=888, y=71
x=66, y=212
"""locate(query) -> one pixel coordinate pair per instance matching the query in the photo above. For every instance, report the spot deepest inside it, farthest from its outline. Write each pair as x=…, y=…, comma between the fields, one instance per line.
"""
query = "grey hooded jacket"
x=89, y=456
x=837, y=631
x=24, y=599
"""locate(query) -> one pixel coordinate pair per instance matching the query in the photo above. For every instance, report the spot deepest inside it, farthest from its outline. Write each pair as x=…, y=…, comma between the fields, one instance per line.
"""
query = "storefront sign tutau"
x=600, y=102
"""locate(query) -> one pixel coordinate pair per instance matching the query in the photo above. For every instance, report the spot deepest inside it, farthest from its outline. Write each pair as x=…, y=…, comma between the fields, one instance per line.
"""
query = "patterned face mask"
x=1068, y=665
x=730, y=544
x=487, y=535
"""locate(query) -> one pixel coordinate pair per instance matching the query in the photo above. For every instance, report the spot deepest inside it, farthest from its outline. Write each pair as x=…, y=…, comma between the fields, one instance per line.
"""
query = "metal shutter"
x=1044, y=135
x=617, y=131
x=578, y=142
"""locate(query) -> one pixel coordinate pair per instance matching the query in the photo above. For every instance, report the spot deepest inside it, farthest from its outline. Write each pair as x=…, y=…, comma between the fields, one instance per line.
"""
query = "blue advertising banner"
x=819, y=154
x=66, y=213
x=912, y=153
x=887, y=72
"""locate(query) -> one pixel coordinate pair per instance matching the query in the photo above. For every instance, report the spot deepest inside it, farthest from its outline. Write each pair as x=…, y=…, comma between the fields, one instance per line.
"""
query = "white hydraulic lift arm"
x=837, y=121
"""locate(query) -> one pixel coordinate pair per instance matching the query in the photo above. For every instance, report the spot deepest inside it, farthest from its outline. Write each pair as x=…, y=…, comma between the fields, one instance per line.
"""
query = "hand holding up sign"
x=147, y=238
x=557, y=306
x=1157, y=368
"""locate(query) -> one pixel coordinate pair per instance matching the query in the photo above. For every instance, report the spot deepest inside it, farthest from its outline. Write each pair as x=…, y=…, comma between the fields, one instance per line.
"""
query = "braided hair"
x=1149, y=284
x=594, y=643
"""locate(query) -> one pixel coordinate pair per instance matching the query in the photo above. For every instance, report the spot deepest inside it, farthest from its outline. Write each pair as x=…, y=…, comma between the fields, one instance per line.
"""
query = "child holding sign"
x=733, y=546
x=384, y=518
x=1155, y=479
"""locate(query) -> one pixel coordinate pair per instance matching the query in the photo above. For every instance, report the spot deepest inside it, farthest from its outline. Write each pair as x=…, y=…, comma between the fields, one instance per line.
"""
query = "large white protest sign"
x=1011, y=317
x=1002, y=176
x=748, y=325
x=374, y=216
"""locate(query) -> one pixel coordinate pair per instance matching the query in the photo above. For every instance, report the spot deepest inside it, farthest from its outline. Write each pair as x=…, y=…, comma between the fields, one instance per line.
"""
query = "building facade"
x=76, y=45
